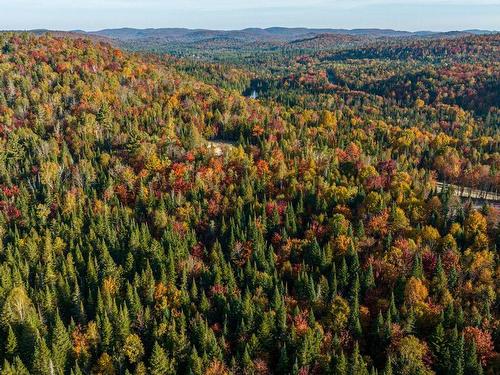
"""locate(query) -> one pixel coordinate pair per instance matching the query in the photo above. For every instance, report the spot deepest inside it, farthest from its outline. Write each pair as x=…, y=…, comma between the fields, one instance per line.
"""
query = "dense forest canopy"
x=155, y=219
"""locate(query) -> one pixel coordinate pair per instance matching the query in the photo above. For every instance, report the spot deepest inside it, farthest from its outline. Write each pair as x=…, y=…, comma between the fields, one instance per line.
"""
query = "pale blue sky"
x=410, y=15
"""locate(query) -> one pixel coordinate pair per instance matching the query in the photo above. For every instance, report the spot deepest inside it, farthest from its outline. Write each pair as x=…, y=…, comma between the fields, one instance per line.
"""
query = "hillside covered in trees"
x=155, y=219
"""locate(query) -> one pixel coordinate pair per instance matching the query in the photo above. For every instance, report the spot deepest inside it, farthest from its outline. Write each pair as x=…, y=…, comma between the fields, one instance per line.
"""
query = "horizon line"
x=252, y=28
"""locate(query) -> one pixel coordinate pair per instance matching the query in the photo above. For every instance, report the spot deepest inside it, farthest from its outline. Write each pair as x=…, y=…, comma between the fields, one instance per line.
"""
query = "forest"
x=260, y=208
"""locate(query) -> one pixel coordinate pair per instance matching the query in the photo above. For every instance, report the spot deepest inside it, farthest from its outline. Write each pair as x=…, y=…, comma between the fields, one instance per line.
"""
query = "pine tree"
x=460, y=317
x=409, y=324
x=440, y=281
x=379, y=325
x=388, y=327
x=458, y=366
x=122, y=324
x=42, y=361
x=341, y=365
x=61, y=345
x=418, y=268
x=388, y=367
x=315, y=253
x=355, y=323
x=295, y=368
x=360, y=230
x=246, y=360
x=343, y=274
x=393, y=309
x=7, y=368
x=453, y=279
x=283, y=362
x=440, y=350
x=16, y=368
x=159, y=363
x=472, y=363
x=333, y=282
x=369, y=279
x=106, y=330
x=449, y=316
x=11, y=342
x=353, y=261
x=195, y=364
x=357, y=364
x=76, y=370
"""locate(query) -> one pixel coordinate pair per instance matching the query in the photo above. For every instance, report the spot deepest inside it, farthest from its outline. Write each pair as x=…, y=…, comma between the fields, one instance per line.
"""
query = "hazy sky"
x=237, y=14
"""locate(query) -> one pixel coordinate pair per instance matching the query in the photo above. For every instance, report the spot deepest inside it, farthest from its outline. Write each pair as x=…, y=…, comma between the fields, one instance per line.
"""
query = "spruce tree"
x=343, y=274
x=472, y=363
x=458, y=355
x=354, y=321
x=11, y=343
x=357, y=364
x=369, y=279
x=159, y=363
x=440, y=350
x=388, y=367
x=195, y=364
x=61, y=345
x=42, y=362
x=283, y=362
x=246, y=360
x=341, y=365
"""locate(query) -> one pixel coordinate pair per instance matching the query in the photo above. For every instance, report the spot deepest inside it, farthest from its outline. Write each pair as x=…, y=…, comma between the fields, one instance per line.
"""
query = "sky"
x=89, y=15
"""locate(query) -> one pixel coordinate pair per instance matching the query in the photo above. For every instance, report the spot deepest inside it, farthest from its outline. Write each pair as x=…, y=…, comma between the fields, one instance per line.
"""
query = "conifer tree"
x=418, y=268
x=42, y=361
x=16, y=368
x=388, y=367
x=341, y=365
x=61, y=345
x=159, y=363
x=283, y=362
x=440, y=349
x=355, y=323
x=343, y=274
x=472, y=363
x=458, y=353
x=357, y=365
x=106, y=330
x=369, y=279
x=195, y=364
x=246, y=360
x=10, y=342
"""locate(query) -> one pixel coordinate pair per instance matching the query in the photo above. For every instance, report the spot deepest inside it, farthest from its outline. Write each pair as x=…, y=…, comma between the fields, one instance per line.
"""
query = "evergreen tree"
x=355, y=323
x=472, y=363
x=246, y=360
x=159, y=363
x=341, y=365
x=61, y=345
x=195, y=364
x=459, y=356
x=343, y=274
x=369, y=279
x=440, y=349
x=10, y=342
x=283, y=362
x=42, y=361
x=388, y=367
x=357, y=364
x=418, y=268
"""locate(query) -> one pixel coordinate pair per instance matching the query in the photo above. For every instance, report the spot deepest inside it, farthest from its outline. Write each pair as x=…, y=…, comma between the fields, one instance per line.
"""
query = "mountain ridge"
x=271, y=33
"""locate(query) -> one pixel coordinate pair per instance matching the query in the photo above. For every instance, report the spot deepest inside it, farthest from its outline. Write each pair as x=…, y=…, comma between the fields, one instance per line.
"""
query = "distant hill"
x=256, y=34
x=74, y=34
x=327, y=40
